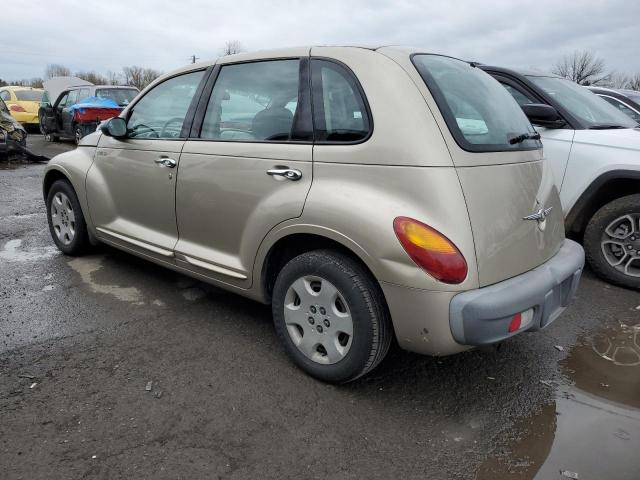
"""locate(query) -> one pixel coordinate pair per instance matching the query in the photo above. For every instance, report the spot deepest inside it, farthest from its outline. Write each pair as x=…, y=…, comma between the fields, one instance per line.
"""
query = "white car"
x=594, y=152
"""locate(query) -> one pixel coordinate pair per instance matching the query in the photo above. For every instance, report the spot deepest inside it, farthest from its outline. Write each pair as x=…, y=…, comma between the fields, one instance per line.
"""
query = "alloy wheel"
x=620, y=244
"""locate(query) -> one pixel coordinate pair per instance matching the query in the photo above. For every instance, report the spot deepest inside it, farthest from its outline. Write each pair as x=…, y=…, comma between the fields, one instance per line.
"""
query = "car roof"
x=519, y=71
x=20, y=87
x=289, y=52
x=76, y=87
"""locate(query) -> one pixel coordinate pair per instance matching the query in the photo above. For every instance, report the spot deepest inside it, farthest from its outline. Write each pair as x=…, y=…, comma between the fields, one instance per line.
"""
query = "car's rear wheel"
x=331, y=316
x=42, y=122
x=66, y=221
x=612, y=242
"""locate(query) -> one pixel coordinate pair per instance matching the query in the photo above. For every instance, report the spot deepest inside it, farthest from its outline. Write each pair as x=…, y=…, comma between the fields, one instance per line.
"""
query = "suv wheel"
x=612, y=242
x=66, y=222
x=78, y=133
x=331, y=316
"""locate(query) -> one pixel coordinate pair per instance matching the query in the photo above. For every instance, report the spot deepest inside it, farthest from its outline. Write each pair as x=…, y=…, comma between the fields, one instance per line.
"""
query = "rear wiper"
x=523, y=137
x=605, y=126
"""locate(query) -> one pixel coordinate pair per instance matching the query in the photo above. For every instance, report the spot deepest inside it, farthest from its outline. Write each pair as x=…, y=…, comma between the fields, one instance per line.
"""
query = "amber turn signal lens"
x=431, y=250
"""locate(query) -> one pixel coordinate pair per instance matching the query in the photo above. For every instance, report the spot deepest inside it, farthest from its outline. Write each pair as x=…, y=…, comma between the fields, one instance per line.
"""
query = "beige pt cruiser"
x=366, y=194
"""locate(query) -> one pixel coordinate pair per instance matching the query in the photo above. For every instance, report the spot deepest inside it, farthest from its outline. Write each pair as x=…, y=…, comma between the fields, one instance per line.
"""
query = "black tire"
x=372, y=329
x=593, y=237
x=41, y=122
x=80, y=242
x=78, y=133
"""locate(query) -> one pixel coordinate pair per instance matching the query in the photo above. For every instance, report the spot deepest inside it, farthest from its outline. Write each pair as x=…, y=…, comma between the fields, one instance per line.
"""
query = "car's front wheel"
x=66, y=221
x=612, y=242
x=331, y=316
x=78, y=133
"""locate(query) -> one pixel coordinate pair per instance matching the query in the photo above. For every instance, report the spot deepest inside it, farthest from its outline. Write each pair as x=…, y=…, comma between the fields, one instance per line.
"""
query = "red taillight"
x=516, y=323
x=17, y=108
x=431, y=250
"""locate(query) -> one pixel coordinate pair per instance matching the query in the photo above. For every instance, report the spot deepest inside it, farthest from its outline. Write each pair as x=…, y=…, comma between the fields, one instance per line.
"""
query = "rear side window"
x=481, y=115
x=340, y=112
x=28, y=95
x=255, y=101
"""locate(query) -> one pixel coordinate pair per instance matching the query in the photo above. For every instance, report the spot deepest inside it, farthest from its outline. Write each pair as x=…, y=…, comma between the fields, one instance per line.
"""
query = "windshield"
x=583, y=104
x=122, y=96
x=28, y=95
x=479, y=112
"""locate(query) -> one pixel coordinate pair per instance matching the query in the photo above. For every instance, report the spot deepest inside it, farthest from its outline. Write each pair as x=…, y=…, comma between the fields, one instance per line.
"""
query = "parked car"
x=627, y=101
x=361, y=192
x=13, y=136
x=594, y=152
x=23, y=103
x=72, y=107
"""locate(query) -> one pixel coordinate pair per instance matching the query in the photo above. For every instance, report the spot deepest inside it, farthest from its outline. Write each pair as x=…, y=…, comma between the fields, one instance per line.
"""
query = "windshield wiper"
x=606, y=126
x=523, y=137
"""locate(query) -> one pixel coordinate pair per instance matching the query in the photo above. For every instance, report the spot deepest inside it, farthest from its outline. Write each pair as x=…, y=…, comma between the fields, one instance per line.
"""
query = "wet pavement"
x=81, y=338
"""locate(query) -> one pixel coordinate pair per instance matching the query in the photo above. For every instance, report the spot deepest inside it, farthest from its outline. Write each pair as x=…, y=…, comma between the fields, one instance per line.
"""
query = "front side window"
x=519, y=97
x=339, y=109
x=255, y=101
x=63, y=100
x=162, y=111
x=481, y=115
x=583, y=104
x=623, y=108
x=72, y=99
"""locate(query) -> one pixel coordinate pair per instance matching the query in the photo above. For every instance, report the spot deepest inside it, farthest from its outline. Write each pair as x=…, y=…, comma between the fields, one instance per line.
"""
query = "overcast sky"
x=107, y=35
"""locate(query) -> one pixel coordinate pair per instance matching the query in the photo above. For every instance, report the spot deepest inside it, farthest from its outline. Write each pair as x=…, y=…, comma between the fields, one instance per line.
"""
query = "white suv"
x=594, y=152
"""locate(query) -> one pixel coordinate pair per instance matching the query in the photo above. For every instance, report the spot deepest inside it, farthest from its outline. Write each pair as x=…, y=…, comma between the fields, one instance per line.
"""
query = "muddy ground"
x=111, y=367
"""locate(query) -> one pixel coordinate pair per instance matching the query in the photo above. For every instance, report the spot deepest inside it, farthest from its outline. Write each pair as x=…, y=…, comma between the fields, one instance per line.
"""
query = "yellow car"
x=23, y=102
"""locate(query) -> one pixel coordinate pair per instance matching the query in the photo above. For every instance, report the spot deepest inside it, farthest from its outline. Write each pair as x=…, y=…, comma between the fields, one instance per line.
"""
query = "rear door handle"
x=166, y=162
x=285, y=172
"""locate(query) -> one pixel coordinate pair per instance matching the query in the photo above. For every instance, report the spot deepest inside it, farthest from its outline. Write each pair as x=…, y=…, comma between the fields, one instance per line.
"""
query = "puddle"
x=593, y=427
x=87, y=266
x=13, y=252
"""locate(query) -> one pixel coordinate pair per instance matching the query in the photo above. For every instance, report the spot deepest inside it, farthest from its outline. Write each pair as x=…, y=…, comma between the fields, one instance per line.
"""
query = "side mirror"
x=543, y=115
x=115, y=127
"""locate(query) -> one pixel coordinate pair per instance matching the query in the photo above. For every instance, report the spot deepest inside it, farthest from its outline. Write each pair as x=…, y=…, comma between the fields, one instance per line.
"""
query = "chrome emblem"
x=540, y=216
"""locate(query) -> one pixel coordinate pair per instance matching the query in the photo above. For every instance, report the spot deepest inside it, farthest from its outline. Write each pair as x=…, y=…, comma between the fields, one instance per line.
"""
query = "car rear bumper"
x=483, y=316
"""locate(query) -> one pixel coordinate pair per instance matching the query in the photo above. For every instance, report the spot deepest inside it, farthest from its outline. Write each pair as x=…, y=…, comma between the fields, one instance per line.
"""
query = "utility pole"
x=194, y=58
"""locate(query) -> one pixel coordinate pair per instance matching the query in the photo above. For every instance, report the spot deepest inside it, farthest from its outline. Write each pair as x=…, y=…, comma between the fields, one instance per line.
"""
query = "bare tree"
x=634, y=82
x=56, y=70
x=616, y=80
x=113, y=78
x=93, y=77
x=232, y=47
x=139, y=77
x=582, y=67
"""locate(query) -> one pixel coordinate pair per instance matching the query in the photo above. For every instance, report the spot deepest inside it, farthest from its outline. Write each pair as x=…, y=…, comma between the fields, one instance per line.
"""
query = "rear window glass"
x=28, y=95
x=122, y=96
x=481, y=115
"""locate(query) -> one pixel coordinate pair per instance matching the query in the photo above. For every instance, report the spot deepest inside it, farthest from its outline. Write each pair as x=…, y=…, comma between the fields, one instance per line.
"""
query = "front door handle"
x=285, y=172
x=166, y=162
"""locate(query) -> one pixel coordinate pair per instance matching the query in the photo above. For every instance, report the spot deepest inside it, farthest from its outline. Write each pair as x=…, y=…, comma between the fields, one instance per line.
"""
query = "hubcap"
x=318, y=320
x=63, y=218
x=621, y=244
